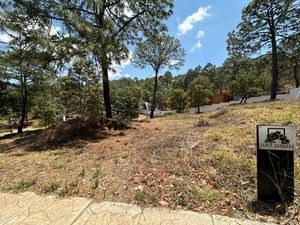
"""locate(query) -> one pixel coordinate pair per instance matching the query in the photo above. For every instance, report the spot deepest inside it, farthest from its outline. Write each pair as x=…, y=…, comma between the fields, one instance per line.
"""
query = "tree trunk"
x=295, y=73
x=154, y=95
x=198, y=109
x=242, y=100
x=274, y=68
x=24, y=104
x=106, y=92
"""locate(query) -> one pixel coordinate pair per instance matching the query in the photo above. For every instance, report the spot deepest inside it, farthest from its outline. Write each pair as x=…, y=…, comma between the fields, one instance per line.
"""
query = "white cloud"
x=173, y=62
x=200, y=34
x=8, y=37
x=54, y=30
x=127, y=11
x=189, y=22
x=118, y=68
x=198, y=45
x=117, y=73
x=159, y=74
x=5, y=38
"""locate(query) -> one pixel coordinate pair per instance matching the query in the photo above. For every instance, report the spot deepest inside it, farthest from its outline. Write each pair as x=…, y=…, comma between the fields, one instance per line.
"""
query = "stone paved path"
x=31, y=209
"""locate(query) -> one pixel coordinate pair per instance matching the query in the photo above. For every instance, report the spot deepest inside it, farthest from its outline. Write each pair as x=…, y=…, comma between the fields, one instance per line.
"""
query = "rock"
x=163, y=203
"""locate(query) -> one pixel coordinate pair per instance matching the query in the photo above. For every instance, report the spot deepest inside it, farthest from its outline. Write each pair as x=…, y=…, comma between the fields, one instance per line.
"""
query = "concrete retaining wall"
x=295, y=93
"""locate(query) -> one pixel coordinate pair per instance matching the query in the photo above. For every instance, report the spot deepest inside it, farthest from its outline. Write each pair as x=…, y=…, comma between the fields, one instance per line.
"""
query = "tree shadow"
x=76, y=142
x=32, y=141
x=19, y=140
x=75, y=133
x=22, y=135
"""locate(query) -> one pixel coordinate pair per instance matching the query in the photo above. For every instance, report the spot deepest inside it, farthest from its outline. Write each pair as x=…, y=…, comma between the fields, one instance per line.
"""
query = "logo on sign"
x=276, y=138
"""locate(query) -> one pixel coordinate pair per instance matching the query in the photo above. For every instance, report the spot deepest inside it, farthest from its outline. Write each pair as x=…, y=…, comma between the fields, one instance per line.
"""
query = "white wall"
x=295, y=93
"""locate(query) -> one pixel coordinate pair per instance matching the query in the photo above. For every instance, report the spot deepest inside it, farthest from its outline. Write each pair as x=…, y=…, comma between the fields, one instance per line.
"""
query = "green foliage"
x=96, y=35
x=47, y=107
x=210, y=71
x=290, y=60
x=140, y=196
x=163, y=97
x=200, y=90
x=22, y=185
x=191, y=75
x=80, y=91
x=158, y=52
x=179, y=100
x=263, y=20
x=9, y=99
x=264, y=24
x=26, y=57
x=126, y=97
x=245, y=77
x=104, y=28
x=96, y=178
x=53, y=186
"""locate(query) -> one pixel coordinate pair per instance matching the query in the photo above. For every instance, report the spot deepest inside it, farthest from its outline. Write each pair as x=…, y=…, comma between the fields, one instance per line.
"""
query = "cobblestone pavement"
x=31, y=209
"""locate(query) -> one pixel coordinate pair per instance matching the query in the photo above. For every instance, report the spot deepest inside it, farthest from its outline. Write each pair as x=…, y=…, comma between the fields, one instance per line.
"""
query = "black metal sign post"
x=275, y=163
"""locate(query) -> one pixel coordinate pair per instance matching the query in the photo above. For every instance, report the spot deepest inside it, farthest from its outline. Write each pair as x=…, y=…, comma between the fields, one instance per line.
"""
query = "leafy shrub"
x=179, y=100
x=126, y=101
x=52, y=187
x=47, y=108
x=23, y=185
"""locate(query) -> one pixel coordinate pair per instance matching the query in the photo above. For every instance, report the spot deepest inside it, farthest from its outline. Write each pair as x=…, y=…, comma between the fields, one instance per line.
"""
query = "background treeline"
x=80, y=92
x=56, y=57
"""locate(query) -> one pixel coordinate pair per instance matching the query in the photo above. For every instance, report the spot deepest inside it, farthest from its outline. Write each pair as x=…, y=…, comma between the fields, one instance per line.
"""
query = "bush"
x=48, y=109
x=51, y=187
x=126, y=101
x=179, y=100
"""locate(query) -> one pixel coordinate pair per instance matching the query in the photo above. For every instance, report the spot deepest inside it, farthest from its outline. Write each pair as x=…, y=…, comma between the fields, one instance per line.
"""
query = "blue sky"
x=202, y=27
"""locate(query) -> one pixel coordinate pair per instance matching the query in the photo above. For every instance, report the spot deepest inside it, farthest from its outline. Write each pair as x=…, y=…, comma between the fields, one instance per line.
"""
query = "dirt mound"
x=77, y=129
x=218, y=113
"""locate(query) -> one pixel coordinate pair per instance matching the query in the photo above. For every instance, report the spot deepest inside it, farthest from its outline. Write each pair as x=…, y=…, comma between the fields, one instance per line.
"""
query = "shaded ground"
x=201, y=162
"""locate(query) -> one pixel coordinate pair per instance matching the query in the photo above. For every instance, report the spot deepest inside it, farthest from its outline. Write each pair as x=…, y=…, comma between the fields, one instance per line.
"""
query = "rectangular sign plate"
x=276, y=137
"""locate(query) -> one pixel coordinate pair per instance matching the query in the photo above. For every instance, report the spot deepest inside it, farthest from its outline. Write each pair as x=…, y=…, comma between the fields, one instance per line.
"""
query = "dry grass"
x=166, y=161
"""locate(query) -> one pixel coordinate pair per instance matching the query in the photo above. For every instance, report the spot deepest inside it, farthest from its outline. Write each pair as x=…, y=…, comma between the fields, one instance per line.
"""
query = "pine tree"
x=26, y=54
x=103, y=28
x=264, y=24
x=158, y=52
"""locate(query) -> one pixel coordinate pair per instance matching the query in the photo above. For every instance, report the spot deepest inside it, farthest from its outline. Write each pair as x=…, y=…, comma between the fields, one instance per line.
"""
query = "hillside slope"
x=203, y=162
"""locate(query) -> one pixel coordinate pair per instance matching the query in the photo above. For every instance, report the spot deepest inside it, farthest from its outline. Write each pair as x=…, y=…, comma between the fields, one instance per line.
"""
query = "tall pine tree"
x=264, y=24
x=103, y=28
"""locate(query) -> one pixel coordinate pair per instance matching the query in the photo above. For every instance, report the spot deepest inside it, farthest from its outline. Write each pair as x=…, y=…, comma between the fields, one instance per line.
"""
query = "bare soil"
x=204, y=162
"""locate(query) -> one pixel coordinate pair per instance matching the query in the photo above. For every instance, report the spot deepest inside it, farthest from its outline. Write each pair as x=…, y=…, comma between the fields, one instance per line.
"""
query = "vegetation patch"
x=22, y=185
x=53, y=186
